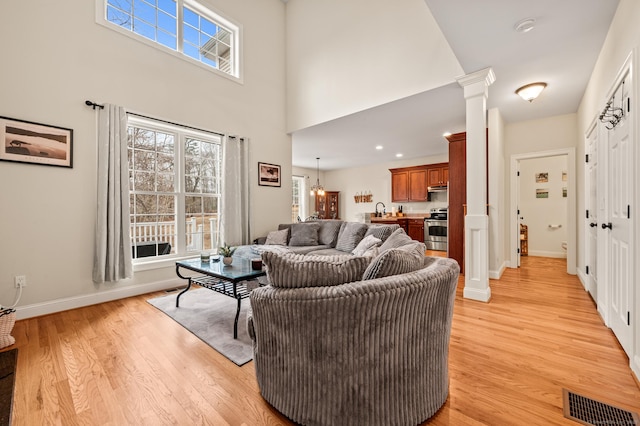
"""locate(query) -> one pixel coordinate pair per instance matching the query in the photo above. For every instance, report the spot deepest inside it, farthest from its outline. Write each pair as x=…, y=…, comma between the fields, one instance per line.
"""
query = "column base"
x=481, y=295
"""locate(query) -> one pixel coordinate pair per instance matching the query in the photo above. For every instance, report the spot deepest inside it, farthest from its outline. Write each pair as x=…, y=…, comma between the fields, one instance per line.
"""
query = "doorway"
x=571, y=212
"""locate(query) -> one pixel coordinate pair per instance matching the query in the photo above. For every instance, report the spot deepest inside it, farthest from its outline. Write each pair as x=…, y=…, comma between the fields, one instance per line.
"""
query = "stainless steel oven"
x=435, y=230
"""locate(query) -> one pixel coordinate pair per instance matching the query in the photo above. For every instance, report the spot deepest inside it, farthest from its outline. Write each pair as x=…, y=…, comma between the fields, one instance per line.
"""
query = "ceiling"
x=561, y=50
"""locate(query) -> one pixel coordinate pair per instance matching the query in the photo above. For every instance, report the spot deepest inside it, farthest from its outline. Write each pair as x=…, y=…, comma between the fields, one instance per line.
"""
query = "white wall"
x=622, y=39
x=55, y=57
x=348, y=56
x=377, y=179
x=539, y=213
x=496, y=196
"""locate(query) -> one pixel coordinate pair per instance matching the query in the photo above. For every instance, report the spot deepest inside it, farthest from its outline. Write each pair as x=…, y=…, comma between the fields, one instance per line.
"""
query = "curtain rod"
x=95, y=105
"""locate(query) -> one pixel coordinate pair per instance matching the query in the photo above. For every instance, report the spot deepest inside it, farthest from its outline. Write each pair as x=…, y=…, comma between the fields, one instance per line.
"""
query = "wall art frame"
x=35, y=143
x=269, y=175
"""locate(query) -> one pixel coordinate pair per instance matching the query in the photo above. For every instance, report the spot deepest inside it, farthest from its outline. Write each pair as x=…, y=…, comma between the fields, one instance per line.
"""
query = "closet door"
x=618, y=223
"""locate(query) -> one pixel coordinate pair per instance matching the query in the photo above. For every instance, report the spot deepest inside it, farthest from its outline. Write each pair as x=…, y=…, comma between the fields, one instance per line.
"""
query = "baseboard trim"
x=495, y=275
x=635, y=370
x=59, y=305
x=542, y=253
x=583, y=279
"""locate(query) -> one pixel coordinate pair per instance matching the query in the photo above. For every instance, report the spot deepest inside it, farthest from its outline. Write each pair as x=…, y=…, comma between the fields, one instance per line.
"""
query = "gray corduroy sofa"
x=371, y=352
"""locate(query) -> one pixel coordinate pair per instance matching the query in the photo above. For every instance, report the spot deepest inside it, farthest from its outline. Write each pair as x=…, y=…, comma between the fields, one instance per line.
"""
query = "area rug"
x=209, y=315
x=7, y=381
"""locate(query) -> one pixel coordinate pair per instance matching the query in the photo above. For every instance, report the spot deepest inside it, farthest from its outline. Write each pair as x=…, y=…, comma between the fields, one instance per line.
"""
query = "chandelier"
x=317, y=188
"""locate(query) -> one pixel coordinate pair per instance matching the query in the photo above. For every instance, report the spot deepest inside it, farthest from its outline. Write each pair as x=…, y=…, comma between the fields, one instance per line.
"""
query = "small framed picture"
x=35, y=143
x=542, y=177
x=542, y=193
x=268, y=174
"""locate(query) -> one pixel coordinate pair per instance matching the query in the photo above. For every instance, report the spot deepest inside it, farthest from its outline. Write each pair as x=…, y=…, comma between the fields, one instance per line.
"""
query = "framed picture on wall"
x=35, y=143
x=542, y=177
x=268, y=174
x=542, y=193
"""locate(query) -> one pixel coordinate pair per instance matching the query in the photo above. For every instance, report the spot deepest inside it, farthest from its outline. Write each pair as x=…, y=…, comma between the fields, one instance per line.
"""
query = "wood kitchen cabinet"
x=414, y=227
x=328, y=205
x=437, y=174
x=409, y=184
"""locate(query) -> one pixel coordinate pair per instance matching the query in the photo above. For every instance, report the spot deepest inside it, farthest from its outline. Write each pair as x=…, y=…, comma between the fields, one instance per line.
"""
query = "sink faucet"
x=383, y=208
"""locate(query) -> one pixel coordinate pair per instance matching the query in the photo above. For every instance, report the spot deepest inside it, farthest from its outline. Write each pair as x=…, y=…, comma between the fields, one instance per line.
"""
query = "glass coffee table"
x=228, y=280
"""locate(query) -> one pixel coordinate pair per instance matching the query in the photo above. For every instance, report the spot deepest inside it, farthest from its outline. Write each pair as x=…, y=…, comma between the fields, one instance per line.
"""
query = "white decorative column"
x=476, y=223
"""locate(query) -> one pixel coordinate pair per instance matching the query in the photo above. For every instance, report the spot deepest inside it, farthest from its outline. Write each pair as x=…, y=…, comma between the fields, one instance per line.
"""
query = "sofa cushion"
x=308, y=249
x=381, y=231
x=295, y=270
x=351, y=233
x=365, y=244
x=304, y=234
x=278, y=237
x=397, y=239
x=328, y=233
x=395, y=261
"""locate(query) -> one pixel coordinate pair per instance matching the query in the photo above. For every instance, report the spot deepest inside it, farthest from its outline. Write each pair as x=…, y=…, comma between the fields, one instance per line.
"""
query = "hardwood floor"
x=125, y=362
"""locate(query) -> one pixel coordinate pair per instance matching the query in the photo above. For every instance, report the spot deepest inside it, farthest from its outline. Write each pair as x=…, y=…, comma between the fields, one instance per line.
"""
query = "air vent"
x=591, y=412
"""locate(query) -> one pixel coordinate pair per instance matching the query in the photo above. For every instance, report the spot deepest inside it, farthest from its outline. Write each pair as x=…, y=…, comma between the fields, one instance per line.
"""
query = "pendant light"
x=317, y=188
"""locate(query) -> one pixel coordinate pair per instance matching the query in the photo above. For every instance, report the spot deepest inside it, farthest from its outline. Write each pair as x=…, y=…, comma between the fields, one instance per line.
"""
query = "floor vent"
x=591, y=412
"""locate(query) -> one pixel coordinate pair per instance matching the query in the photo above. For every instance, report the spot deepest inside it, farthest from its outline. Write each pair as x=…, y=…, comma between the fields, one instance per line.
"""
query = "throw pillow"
x=381, y=231
x=351, y=233
x=364, y=245
x=397, y=239
x=296, y=270
x=328, y=234
x=278, y=237
x=304, y=234
x=395, y=261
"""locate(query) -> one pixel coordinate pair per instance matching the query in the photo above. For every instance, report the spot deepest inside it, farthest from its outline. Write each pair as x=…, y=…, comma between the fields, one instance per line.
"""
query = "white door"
x=518, y=213
x=591, y=166
x=618, y=220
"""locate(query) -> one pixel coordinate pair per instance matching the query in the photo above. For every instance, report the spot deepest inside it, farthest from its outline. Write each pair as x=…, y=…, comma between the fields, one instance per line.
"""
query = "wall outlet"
x=20, y=280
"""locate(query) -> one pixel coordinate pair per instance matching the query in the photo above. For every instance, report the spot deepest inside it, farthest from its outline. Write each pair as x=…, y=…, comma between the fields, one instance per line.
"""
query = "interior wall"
x=623, y=39
x=377, y=179
x=546, y=134
x=56, y=57
x=360, y=54
x=546, y=218
x=496, y=195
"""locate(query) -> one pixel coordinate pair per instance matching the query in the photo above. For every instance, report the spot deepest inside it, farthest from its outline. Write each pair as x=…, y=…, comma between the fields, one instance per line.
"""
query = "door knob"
x=607, y=225
x=592, y=224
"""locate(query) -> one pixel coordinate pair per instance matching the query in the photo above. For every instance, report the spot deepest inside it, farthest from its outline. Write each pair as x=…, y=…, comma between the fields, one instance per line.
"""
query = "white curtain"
x=112, y=260
x=235, y=227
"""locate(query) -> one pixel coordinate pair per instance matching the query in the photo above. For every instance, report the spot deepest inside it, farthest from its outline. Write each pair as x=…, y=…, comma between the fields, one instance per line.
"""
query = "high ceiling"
x=561, y=50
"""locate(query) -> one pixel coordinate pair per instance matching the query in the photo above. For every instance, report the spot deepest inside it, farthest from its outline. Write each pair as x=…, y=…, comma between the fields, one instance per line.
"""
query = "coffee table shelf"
x=227, y=288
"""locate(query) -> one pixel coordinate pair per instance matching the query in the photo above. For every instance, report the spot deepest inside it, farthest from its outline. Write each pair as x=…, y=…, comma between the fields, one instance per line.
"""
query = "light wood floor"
x=125, y=362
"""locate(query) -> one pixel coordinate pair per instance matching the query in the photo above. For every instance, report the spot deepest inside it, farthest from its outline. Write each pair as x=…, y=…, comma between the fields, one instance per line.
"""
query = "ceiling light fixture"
x=398, y=155
x=317, y=188
x=379, y=147
x=525, y=25
x=531, y=91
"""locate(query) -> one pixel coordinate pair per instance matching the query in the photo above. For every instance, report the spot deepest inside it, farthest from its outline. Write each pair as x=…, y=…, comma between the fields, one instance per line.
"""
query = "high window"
x=174, y=183
x=183, y=26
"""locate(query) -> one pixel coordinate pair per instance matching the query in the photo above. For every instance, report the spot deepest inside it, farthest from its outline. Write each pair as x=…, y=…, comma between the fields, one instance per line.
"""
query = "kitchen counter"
x=391, y=219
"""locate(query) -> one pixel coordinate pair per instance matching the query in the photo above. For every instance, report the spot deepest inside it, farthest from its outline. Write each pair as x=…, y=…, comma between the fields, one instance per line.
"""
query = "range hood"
x=437, y=188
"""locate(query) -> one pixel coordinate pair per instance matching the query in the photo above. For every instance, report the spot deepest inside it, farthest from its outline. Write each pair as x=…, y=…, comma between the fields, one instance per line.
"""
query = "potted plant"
x=226, y=252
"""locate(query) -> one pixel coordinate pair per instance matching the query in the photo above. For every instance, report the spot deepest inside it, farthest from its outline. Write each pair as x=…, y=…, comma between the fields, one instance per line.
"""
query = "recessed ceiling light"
x=446, y=134
x=525, y=25
x=398, y=155
x=379, y=147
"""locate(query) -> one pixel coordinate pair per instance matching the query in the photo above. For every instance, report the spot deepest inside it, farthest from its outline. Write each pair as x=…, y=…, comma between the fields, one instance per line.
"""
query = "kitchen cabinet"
x=414, y=227
x=328, y=205
x=409, y=184
x=437, y=174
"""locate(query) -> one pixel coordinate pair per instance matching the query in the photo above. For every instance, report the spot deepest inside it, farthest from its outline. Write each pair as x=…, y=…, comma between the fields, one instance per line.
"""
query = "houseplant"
x=226, y=252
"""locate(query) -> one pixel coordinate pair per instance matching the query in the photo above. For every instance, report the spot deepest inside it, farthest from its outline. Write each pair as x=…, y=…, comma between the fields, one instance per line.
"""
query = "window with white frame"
x=183, y=26
x=174, y=184
x=298, y=207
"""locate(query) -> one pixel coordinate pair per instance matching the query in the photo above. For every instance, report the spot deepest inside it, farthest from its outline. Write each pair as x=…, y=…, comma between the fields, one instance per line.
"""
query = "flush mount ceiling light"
x=531, y=91
x=525, y=25
x=379, y=147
